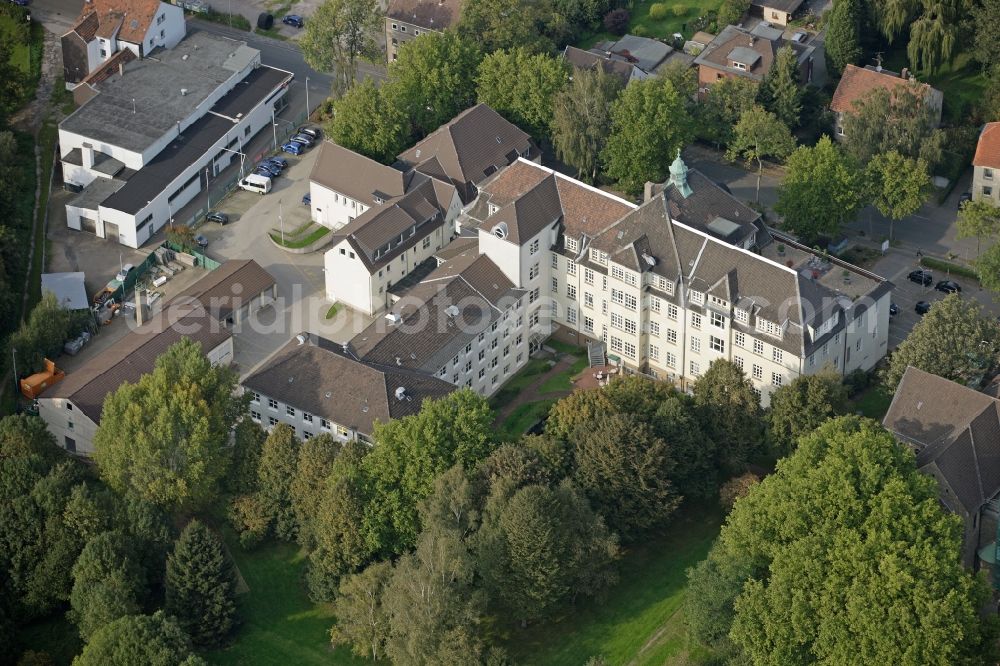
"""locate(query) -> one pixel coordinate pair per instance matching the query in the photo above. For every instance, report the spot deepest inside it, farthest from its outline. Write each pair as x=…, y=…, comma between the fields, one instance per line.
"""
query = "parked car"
x=949, y=286
x=216, y=216
x=73, y=347
x=921, y=277
x=268, y=170
x=280, y=162
x=307, y=141
x=308, y=131
x=800, y=37
x=201, y=241
x=123, y=273
x=293, y=148
x=307, y=199
x=293, y=20
x=922, y=308
x=967, y=196
x=20, y=3
x=893, y=309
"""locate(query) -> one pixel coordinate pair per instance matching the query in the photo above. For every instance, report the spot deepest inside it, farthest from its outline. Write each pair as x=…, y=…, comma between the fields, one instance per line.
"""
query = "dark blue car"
x=268, y=170
x=292, y=148
x=280, y=162
x=293, y=20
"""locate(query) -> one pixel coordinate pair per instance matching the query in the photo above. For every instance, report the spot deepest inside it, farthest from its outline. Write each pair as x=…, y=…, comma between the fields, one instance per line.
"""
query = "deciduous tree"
x=165, y=438
x=22, y=435
x=625, y=470
x=901, y=121
x=201, y=585
x=986, y=22
x=822, y=190
x=581, y=120
x=108, y=583
x=802, y=406
x=278, y=464
x=522, y=87
x=315, y=462
x=43, y=334
x=898, y=185
x=716, y=115
x=433, y=80
x=504, y=24
x=935, y=33
x=843, y=35
x=362, y=619
x=732, y=11
x=955, y=340
x=338, y=33
x=730, y=412
x=649, y=124
x=155, y=639
x=978, y=219
x=368, y=121
x=759, y=134
x=988, y=267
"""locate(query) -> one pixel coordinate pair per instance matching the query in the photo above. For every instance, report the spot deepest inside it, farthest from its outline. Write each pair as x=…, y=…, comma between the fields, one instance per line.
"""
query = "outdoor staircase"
x=595, y=353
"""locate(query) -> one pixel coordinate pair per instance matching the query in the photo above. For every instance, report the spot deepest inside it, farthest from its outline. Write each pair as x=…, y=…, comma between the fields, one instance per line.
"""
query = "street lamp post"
x=274, y=128
x=307, y=99
x=208, y=192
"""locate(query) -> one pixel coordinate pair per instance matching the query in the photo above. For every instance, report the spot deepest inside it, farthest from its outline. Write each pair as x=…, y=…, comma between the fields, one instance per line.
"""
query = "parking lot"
x=301, y=304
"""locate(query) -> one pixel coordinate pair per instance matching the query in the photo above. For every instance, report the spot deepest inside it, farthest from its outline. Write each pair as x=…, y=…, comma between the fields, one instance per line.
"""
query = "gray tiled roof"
x=471, y=147
x=321, y=378
x=355, y=175
x=955, y=431
x=426, y=336
x=229, y=287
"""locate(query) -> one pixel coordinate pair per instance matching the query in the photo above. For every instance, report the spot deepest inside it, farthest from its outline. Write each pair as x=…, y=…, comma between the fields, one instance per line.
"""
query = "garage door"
x=111, y=231
x=88, y=224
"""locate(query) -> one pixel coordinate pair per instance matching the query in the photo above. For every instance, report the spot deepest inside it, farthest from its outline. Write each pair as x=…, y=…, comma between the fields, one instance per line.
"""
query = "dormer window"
x=378, y=201
x=572, y=244
x=500, y=231
x=492, y=209
x=696, y=297
x=740, y=66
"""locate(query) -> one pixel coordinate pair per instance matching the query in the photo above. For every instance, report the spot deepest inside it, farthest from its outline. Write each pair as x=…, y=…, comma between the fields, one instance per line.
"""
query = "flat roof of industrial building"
x=195, y=141
x=132, y=111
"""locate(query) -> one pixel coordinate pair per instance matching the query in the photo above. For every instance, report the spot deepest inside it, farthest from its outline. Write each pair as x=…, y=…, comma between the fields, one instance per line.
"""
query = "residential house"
x=749, y=54
x=390, y=220
x=630, y=58
x=154, y=131
x=955, y=433
x=406, y=20
x=109, y=27
x=775, y=12
x=986, y=165
x=320, y=387
x=667, y=295
x=204, y=313
x=857, y=83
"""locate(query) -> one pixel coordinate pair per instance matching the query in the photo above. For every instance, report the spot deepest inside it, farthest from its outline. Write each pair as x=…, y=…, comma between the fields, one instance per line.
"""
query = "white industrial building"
x=148, y=141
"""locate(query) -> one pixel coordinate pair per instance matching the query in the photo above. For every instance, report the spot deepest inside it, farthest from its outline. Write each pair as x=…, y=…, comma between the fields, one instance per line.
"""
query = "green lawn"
x=523, y=417
x=10, y=31
x=644, y=26
x=518, y=382
x=564, y=380
x=873, y=402
x=280, y=626
x=639, y=621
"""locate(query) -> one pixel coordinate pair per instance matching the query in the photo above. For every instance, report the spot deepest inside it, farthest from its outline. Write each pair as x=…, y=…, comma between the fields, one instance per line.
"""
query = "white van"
x=256, y=183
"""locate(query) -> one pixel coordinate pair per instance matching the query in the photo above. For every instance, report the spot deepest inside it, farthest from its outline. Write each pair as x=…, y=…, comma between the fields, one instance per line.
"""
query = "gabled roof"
x=471, y=147
x=86, y=26
x=580, y=59
x=133, y=17
x=430, y=14
x=988, y=148
x=229, y=287
x=955, y=431
x=135, y=355
x=356, y=176
x=856, y=83
x=739, y=44
x=705, y=204
x=320, y=377
x=426, y=335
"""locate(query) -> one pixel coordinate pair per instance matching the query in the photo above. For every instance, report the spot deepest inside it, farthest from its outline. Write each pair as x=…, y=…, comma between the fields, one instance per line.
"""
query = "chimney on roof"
x=752, y=40
x=87, y=155
x=121, y=69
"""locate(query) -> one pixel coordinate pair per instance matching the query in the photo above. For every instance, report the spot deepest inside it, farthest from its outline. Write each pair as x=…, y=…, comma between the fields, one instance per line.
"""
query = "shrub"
x=949, y=268
x=249, y=519
x=658, y=11
x=735, y=488
x=640, y=31
x=680, y=10
x=857, y=381
x=616, y=21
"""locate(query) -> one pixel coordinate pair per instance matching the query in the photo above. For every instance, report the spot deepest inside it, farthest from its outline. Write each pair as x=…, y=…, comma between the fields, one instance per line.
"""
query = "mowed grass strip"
x=639, y=620
x=280, y=625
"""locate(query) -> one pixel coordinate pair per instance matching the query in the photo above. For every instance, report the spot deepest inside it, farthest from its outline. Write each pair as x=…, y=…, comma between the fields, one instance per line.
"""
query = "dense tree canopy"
x=109, y=582
x=759, y=134
x=339, y=32
x=794, y=582
x=898, y=185
x=43, y=334
x=649, y=124
x=978, y=219
x=843, y=35
x=368, y=121
x=802, y=406
x=902, y=121
x=315, y=463
x=165, y=438
x=154, y=640
x=955, y=340
x=278, y=464
x=986, y=21
x=730, y=412
x=581, y=120
x=780, y=91
x=718, y=113
x=522, y=87
x=822, y=190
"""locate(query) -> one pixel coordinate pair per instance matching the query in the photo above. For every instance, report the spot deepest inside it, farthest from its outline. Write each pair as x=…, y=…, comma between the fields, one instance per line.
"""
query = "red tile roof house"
x=749, y=54
x=858, y=82
x=105, y=28
x=986, y=165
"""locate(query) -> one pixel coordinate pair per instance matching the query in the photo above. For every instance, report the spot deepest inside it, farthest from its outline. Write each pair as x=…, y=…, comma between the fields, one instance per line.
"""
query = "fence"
x=129, y=284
